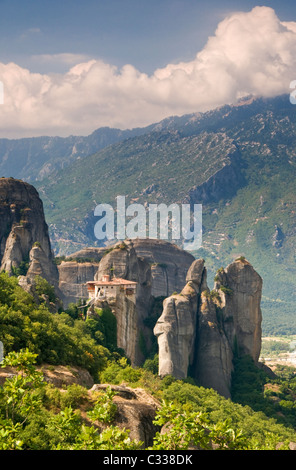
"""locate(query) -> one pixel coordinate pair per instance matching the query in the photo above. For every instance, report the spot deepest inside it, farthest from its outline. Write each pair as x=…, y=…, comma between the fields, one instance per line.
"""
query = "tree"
x=188, y=428
x=19, y=396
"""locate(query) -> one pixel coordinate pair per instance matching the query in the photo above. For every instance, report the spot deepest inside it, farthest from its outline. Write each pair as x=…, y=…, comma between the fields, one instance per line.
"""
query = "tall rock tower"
x=24, y=239
x=201, y=331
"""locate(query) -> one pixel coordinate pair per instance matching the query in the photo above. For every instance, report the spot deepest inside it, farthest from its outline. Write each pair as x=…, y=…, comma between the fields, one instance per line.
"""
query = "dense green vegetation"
x=35, y=415
x=276, y=397
x=56, y=338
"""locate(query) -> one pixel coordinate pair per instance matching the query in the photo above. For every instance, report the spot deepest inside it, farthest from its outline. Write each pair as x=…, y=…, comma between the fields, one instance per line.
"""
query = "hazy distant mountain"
x=35, y=158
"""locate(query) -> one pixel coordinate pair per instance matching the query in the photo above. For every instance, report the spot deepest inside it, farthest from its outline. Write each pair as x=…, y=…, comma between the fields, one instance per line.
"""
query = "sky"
x=70, y=67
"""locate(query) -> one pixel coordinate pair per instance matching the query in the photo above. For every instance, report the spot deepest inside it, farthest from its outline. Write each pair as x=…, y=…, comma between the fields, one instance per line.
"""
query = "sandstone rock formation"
x=122, y=262
x=168, y=264
x=73, y=277
x=201, y=330
x=212, y=357
x=89, y=253
x=24, y=239
x=240, y=289
x=157, y=266
x=176, y=327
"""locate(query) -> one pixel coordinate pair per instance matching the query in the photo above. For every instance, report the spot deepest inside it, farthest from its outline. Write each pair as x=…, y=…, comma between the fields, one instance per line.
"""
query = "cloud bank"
x=250, y=53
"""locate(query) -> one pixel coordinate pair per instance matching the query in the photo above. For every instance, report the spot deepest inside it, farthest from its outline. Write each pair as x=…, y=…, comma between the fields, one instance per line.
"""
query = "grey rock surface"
x=24, y=235
x=201, y=331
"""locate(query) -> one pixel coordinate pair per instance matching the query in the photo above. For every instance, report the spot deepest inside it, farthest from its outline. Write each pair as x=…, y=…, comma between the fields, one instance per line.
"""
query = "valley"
x=279, y=350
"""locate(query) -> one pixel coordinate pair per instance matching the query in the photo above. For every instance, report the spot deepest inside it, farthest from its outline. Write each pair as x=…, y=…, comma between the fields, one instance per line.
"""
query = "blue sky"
x=70, y=67
x=147, y=34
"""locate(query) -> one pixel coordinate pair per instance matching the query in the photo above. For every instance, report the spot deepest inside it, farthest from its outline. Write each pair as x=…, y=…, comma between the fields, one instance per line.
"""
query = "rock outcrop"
x=168, y=264
x=88, y=254
x=122, y=262
x=24, y=241
x=59, y=376
x=176, y=327
x=158, y=267
x=136, y=411
x=73, y=277
x=212, y=357
x=201, y=330
x=240, y=289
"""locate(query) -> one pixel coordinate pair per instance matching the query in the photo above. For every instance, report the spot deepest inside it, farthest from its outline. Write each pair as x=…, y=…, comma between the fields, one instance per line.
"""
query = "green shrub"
x=42, y=287
x=152, y=364
x=120, y=371
x=103, y=328
x=104, y=409
x=74, y=396
x=25, y=424
x=226, y=290
x=22, y=269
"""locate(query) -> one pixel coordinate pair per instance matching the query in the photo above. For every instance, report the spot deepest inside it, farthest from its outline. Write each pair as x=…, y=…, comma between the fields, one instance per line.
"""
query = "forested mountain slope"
x=238, y=161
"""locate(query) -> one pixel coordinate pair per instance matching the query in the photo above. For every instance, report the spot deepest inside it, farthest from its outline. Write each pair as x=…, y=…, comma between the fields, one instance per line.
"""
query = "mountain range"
x=238, y=161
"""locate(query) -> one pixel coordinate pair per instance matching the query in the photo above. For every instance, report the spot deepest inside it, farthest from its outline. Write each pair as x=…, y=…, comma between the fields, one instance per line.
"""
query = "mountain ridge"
x=35, y=158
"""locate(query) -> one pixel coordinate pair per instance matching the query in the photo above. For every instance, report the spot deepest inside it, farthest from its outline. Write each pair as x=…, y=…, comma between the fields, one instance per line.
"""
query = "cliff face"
x=202, y=330
x=73, y=277
x=159, y=268
x=212, y=357
x=176, y=327
x=221, y=185
x=169, y=264
x=24, y=236
x=240, y=289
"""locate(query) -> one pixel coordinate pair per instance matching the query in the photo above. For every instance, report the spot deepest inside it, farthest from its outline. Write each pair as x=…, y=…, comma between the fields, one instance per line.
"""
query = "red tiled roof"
x=114, y=282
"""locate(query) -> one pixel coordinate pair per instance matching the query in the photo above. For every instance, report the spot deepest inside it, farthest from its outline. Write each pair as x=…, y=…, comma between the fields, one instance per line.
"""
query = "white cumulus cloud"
x=250, y=53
